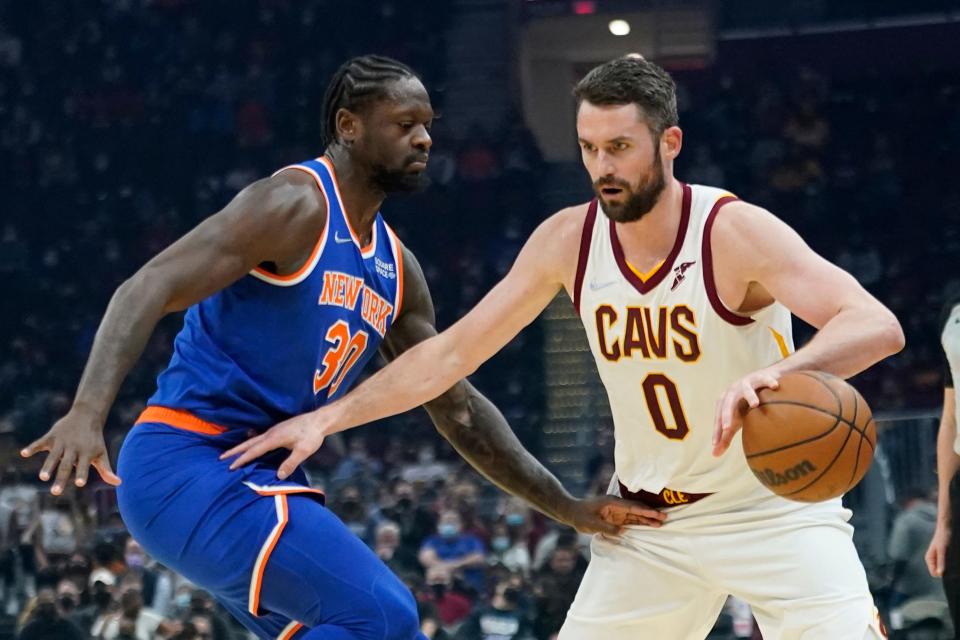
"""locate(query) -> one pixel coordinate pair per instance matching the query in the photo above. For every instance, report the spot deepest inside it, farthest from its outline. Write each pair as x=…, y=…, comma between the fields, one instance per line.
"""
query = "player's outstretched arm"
x=429, y=369
x=480, y=433
x=755, y=251
x=267, y=221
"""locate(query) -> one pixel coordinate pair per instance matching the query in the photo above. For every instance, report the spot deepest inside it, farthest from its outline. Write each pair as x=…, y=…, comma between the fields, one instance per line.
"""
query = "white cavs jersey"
x=667, y=348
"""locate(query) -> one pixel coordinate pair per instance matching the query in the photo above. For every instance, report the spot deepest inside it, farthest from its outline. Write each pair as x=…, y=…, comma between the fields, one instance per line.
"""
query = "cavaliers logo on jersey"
x=679, y=273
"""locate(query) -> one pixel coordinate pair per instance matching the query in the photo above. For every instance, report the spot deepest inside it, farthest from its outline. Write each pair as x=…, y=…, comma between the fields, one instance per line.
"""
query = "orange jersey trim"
x=180, y=419
x=346, y=217
x=398, y=254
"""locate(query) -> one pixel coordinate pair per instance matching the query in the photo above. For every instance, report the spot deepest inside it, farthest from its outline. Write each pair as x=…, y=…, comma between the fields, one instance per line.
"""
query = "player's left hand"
x=609, y=514
x=299, y=434
x=737, y=400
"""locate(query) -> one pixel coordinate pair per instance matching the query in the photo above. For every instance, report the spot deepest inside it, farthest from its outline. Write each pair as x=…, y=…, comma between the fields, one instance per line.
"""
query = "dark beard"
x=641, y=201
x=398, y=180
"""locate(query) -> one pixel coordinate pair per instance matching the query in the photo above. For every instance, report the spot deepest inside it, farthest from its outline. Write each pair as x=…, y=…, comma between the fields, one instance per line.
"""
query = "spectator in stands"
x=508, y=547
x=427, y=468
x=451, y=603
x=453, y=550
x=155, y=580
x=502, y=619
x=56, y=530
x=144, y=621
x=19, y=505
x=45, y=621
x=348, y=503
x=400, y=559
x=555, y=587
x=100, y=604
x=912, y=530
x=415, y=520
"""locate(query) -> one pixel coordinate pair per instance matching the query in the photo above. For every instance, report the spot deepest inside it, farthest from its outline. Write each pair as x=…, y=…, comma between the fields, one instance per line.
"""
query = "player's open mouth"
x=611, y=191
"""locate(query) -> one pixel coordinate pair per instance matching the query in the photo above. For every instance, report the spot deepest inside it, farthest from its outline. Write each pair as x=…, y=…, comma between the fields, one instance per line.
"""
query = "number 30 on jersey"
x=340, y=358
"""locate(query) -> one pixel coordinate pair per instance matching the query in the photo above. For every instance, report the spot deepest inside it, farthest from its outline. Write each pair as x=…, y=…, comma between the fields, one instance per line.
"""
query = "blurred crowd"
x=125, y=122
x=482, y=565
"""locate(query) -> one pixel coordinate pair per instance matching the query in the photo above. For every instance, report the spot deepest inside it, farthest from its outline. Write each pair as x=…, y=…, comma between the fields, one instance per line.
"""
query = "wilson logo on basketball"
x=771, y=478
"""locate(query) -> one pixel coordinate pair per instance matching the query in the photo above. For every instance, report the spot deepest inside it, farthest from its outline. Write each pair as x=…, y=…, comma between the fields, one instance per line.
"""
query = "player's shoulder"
x=295, y=186
x=735, y=216
x=566, y=225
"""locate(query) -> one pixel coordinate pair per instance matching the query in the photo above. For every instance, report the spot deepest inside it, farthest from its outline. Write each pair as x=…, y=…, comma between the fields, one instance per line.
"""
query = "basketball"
x=810, y=440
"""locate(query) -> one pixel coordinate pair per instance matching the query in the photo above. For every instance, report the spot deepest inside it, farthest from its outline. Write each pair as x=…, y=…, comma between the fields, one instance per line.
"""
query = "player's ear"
x=348, y=126
x=671, y=141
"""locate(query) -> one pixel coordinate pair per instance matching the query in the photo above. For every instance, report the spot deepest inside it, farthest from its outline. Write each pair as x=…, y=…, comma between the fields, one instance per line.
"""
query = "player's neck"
x=653, y=235
x=360, y=202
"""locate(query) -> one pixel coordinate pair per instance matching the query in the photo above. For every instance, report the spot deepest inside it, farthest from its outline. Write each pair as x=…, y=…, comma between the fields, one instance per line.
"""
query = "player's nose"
x=422, y=140
x=607, y=168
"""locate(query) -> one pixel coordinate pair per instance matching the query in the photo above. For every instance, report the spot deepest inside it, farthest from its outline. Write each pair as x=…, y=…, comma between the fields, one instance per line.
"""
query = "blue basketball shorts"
x=267, y=550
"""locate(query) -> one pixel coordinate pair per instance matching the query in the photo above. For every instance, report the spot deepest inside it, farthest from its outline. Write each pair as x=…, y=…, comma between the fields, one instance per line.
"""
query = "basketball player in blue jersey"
x=289, y=290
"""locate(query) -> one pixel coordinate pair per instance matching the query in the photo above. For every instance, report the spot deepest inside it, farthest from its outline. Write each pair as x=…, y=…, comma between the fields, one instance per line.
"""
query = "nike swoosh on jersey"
x=339, y=240
x=596, y=286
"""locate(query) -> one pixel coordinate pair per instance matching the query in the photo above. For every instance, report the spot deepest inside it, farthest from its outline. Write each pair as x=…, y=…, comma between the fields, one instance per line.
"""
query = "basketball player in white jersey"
x=685, y=293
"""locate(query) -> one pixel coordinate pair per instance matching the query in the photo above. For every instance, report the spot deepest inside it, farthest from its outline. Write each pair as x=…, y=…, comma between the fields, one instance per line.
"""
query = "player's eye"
x=620, y=146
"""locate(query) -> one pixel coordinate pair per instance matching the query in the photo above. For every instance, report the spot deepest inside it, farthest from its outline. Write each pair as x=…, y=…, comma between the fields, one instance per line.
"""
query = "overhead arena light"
x=619, y=27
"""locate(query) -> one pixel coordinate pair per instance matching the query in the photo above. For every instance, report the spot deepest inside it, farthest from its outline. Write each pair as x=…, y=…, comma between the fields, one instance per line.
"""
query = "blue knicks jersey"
x=269, y=347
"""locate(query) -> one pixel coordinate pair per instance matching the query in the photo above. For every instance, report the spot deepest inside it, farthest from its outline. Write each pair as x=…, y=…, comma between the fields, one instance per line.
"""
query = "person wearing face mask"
x=350, y=507
x=507, y=546
x=156, y=582
x=416, y=522
x=144, y=620
x=68, y=600
x=503, y=619
x=427, y=468
x=202, y=606
x=455, y=550
x=47, y=622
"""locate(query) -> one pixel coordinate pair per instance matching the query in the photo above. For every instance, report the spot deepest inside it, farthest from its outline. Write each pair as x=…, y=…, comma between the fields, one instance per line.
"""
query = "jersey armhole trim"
x=303, y=272
x=708, y=278
x=586, y=238
x=398, y=256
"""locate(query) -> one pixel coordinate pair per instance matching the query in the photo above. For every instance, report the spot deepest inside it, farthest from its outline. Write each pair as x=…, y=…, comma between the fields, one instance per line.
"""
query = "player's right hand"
x=937, y=551
x=609, y=514
x=299, y=434
x=74, y=441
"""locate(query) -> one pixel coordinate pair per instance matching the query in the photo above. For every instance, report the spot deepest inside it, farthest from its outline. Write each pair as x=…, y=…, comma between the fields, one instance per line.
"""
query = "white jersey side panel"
x=666, y=349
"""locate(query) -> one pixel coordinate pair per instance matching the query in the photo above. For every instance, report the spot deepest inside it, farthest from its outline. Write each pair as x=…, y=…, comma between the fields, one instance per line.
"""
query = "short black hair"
x=357, y=83
x=632, y=80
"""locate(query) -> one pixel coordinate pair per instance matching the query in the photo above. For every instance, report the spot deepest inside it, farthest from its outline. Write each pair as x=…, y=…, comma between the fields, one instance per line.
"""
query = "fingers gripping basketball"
x=810, y=440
